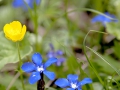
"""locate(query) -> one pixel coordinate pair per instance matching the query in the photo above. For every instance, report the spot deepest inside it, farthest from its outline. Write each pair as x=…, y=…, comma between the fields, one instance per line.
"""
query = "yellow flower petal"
x=6, y=29
x=23, y=32
x=14, y=31
x=16, y=25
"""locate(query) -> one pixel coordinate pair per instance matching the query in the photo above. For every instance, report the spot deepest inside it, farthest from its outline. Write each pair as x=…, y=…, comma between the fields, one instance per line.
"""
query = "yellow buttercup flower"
x=14, y=31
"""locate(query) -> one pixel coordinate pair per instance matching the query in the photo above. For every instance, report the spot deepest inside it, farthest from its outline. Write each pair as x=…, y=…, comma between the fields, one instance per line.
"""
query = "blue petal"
x=38, y=2
x=50, y=54
x=60, y=61
x=28, y=67
x=21, y=3
x=50, y=61
x=85, y=81
x=34, y=77
x=59, y=52
x=110, y=15
x=30, y=3
x=51, y=46
x=72, y=77
x=98, y=18
x=37, y=59
x=17, y=3
x=62, y=82
x=104, y=19
x=50, y=75
x=79, y=89
x=70, y=89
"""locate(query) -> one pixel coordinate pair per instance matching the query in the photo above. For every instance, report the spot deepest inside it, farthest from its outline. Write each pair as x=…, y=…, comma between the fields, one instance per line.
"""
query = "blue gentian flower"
x=104, y=19
x=72, y=83
x=37, y=67
x=58, y=54
x=21, y=3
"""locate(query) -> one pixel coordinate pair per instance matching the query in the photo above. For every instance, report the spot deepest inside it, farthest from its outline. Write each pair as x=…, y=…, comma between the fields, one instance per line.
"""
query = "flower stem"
x=90, y=63
x=13, y=81
x=35, y=21
x=41, y=83
x=20, y=63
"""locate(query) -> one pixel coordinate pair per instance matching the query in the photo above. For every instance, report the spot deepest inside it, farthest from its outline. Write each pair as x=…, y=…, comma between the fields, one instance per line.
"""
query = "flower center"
x=73, y=85
x=40, y=69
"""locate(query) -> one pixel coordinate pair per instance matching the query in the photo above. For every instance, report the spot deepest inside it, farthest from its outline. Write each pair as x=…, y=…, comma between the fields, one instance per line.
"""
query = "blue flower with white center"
x=58, y=54
x=72, y=83
x=21, y=3
x=37, y=67
x=104, y=19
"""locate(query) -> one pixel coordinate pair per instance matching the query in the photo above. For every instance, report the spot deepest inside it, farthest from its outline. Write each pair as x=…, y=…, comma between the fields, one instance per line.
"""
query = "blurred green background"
x=65, y=23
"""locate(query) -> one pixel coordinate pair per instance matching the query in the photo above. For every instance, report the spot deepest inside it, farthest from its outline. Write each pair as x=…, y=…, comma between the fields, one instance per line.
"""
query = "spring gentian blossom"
x=72, y=83
x=22, y=3
x=37, y=67
x=58, y=54
x=104, y=19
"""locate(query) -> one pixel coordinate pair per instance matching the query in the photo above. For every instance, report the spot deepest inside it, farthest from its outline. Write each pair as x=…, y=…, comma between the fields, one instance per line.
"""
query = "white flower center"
x=40, y=69
x=73, y=85
x=34, y=75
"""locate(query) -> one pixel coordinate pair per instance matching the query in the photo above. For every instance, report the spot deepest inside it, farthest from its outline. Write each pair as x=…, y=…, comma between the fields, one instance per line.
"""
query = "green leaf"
x=72, y=64
x=117, y=49
x=107, y=68
x=13, y=88
x=7, y=78
x=2, y=87
x=113, y=29
x=109, y=64
x=97, y=86
x=9, y=51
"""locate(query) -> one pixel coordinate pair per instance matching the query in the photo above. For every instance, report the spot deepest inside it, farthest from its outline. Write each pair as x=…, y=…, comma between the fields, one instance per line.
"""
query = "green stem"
x=34, y=16
x=35, y=20
x=66, y=15
x=20, y=63
x=82, y=74
x=13, y=81
x=91, y=65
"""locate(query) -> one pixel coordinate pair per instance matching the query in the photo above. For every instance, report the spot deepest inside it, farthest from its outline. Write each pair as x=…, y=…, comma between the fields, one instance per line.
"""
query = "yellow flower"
x=14, y=31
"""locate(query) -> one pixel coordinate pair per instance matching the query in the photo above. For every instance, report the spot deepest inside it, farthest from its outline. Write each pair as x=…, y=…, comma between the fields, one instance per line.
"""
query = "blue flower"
x=38, y=67
x=72, y=82
x=104, y=19
x=58, y=54
x=21, y=3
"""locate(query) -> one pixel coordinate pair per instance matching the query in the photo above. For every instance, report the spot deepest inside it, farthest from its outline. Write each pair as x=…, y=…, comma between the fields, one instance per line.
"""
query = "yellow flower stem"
x=20, y=63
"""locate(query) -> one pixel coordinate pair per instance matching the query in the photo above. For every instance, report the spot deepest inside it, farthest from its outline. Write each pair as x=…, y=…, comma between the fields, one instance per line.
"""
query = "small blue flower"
x=72, y=83
x=58, y=54
x=38, y=67
x=103, y=19
x=21, y=3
